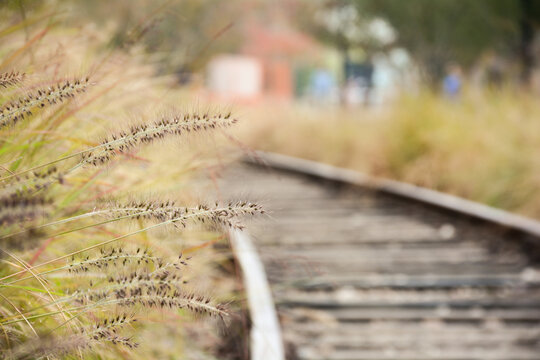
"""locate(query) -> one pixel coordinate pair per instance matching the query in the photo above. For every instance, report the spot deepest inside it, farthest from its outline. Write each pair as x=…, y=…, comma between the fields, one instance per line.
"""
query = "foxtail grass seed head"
x=107, y=330
x=166, y=211
x=11, y=78
x=18, y=208
x=115, y=258
x=162, y=288
x=24, y=106
x=138, y=135
x=88, y=337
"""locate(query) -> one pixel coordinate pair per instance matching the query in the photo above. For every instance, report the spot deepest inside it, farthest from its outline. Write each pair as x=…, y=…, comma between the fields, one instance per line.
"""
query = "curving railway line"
x=367, y=269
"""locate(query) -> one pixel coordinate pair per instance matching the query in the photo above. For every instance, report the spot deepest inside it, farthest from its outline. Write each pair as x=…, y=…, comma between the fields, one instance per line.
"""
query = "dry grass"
x=95, y=233
x=485, y=147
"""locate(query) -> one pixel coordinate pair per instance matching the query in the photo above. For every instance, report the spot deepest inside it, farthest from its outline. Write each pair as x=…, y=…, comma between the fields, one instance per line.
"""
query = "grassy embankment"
x=485, y=147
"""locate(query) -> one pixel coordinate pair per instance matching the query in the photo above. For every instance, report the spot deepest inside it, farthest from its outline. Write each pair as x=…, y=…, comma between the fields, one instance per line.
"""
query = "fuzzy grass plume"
x=142, y=134
x=22, y=107
x=227, y=215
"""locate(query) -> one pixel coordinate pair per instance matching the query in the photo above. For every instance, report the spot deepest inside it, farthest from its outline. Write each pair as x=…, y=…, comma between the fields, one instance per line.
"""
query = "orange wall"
x=278, y=79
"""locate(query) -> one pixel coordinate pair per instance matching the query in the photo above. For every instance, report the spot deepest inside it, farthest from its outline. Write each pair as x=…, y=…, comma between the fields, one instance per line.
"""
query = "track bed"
x=360, y=274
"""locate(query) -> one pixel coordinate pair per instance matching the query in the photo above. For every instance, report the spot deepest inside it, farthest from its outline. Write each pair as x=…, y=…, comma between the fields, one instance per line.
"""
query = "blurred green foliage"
x=434, y=32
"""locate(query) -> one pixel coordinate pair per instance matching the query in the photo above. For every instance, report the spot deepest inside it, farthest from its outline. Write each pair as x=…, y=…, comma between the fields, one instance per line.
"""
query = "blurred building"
x=277, y=62
x=265, y=66
x=235, y=76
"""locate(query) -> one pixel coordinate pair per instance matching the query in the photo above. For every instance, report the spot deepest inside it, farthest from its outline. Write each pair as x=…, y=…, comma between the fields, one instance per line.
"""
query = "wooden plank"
x=406, y=342
x=420, y=330
x=419, y=303
x=404, y=282
x=310, y=353
x=389, y=296
x=442, y=313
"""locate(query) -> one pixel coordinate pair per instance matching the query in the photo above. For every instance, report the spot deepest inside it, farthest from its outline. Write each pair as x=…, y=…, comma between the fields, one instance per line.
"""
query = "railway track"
x=366, y=272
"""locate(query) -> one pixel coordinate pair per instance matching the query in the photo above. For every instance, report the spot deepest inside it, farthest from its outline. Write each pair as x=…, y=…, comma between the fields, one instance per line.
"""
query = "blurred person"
x=452, y=82
x=322, y=85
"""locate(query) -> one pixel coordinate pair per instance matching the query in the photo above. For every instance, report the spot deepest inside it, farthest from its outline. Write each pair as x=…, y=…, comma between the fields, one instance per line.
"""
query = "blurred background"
x=438, y=93
x=362, y=52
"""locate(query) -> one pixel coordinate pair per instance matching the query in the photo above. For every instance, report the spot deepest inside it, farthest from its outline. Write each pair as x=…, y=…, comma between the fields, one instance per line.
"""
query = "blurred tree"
x=438, y=32
x=529, y=21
